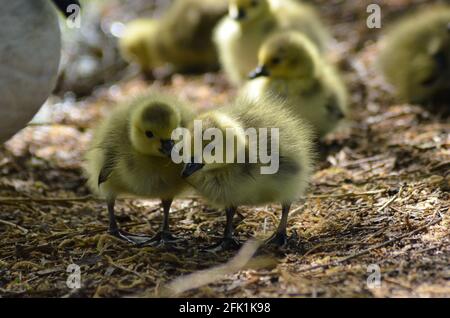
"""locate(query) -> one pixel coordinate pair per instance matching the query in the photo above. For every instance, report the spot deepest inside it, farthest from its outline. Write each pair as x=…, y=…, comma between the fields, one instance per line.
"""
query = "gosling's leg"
x=114, y=228
x=279, y=238
x=229, y=242
x=164, y=236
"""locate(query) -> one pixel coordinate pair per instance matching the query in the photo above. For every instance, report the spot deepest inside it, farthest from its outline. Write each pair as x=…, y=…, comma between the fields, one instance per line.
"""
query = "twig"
x=185, y=209
x=24, y=230
x=368, y=250
x=143, y=277
x=332, y=244
x=343, y=195
x=129, y=271
x=391, y=200
x=365, y=160
x=440, y=165
x=432, y=248
x=85, y=198
x=296, y=210
x=387, y=279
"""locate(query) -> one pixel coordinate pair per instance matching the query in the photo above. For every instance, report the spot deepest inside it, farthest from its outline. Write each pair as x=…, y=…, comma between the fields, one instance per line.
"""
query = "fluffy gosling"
x=182, y=38
x=415, y=58
x=137, y=44
x=240, y=34
x=129, y=155
x=291, y=66
x=231, y=185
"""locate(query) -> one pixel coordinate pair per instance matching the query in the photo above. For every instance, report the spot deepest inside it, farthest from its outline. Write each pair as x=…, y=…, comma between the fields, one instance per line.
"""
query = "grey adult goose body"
x=30, y=49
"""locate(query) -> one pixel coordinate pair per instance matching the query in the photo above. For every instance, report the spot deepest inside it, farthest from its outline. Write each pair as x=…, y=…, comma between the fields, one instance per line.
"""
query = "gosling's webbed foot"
x=278, y=239
x=162, y=239
x=135, y=239
x=227, y=244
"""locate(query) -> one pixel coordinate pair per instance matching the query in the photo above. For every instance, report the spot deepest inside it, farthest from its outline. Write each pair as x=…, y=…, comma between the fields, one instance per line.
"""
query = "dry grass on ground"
x=380, y=197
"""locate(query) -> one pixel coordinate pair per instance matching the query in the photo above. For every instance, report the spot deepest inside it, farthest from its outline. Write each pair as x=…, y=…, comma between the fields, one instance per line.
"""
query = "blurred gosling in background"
x=415, y=57
x=130, y=155
x=182, y=37
x=290, y=65
x=230, y=185
x=240, y=34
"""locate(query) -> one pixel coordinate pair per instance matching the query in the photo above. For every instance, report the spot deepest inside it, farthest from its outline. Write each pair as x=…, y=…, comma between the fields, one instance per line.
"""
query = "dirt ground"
x=378, y=200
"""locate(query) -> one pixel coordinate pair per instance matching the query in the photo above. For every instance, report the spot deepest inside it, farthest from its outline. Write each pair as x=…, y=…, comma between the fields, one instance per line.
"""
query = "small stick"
x=343, y=195
x=85, y=198
x=365, y=160
x=24, y=230
x=391, y=200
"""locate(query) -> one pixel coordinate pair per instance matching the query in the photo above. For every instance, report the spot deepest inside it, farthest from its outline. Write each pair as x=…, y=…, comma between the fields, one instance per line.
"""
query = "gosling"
x=239, y=35
x=415, y=58
x=291, y=66
x=182, y=38
x=231, y=185
x=129, y=155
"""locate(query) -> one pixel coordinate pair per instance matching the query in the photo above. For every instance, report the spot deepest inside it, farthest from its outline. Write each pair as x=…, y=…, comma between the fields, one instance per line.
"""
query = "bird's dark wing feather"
x=108, y=167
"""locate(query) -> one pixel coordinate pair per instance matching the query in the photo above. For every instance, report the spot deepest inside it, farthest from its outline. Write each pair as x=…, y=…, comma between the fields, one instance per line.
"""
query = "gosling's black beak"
x=63, y=5
x=239, y=15
x=258, y=72
x=166, y=147
x=191, y=168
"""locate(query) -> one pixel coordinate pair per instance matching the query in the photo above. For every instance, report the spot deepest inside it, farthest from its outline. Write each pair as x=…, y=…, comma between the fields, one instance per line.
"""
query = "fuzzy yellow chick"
x=415, y=57
x=130, y=155
x=182, y=37
x=249, y=22
x=290, y=66
x=230, y=183
x=137, y=44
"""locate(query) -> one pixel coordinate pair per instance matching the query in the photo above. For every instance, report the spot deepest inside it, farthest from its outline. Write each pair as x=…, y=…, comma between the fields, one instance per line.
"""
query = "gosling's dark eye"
x=276, y=61
x=254, y=3
x=149, y=134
